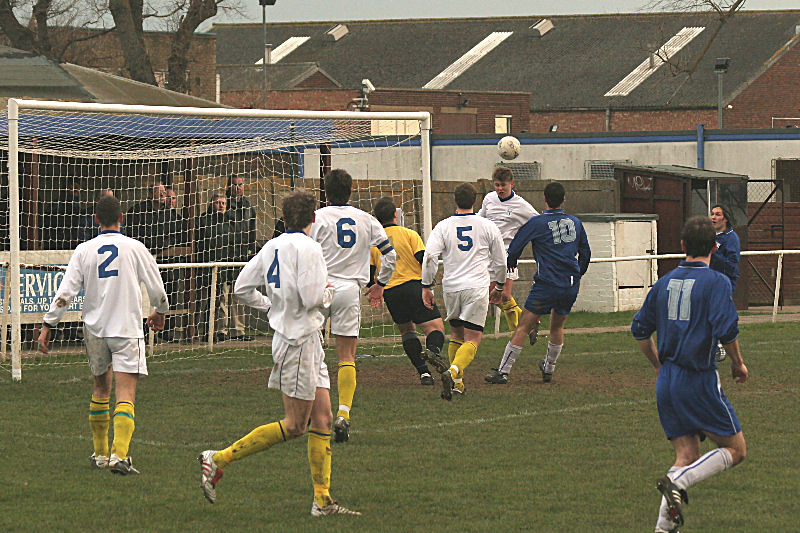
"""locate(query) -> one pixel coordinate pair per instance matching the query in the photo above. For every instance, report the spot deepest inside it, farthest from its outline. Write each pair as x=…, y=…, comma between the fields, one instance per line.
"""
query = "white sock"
x=553, y=351
x=663, y=521
x=711, y=463
x=344, y=408
x=509, y=356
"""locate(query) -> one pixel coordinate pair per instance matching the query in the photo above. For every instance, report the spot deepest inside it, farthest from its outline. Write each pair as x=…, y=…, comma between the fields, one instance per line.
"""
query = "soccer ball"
x=508, y=147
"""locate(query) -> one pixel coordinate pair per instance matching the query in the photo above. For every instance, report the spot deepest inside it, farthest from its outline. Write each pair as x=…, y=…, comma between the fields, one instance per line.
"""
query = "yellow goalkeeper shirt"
x=406, y=242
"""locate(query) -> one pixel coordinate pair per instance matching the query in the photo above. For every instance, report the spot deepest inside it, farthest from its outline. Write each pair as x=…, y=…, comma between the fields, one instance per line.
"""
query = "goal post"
x=61, y=156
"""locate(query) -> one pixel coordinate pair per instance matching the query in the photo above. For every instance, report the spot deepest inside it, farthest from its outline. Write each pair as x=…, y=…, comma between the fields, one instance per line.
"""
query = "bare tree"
x=725, y=9
x=50, y=27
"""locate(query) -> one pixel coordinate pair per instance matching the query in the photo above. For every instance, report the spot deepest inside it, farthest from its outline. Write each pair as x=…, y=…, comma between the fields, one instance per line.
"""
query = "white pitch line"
x=469, y=422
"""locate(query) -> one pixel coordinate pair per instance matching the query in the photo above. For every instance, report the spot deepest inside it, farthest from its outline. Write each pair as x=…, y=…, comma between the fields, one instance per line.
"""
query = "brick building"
x=584, y=73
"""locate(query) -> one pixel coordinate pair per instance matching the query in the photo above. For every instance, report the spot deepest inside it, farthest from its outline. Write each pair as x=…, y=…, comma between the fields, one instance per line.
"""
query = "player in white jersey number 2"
x=509, y=211
x=109, y=268
x=346, y=235
x=472, y=251
x=293, y=271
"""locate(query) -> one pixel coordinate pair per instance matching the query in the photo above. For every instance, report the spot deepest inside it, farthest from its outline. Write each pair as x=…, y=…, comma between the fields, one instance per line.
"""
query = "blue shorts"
x=544, y=297
x=691, y=402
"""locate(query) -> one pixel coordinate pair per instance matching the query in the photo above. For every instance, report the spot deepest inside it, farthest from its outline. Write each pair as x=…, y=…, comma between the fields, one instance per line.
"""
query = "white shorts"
x=124, y=355
x=512, y=274
x=469, y=305
x=299, y=369
x=345, y=310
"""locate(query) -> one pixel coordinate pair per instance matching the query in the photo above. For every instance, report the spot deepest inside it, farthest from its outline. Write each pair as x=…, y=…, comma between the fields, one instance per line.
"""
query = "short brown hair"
x=698, y=236
x=465, y=195
x=107, y=210
x=503, y=174
x=338, y=186
x=385, y=210
x=298, y=209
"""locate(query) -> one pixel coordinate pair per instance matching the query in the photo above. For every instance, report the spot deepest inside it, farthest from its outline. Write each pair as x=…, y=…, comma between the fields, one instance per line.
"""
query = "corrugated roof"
x=589, y=54
x=472, y=56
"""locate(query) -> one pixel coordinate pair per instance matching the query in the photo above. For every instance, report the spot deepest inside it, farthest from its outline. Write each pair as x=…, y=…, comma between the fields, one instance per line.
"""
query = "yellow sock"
x=123, y=429
x=347, y=388
x=464, y=356
x=512, y=313
x=319, y=459
x=452, y=348
x=261, y=438
x=99, y=420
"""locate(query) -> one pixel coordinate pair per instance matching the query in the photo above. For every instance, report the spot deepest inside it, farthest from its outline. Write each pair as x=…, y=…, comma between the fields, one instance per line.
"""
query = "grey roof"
x=586, y=54
x=280, y=76
x=686, y=172
x=26, y=74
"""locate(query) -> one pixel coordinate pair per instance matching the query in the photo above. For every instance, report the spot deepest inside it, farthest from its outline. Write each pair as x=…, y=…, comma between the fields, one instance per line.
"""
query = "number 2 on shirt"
x=102, y=268
x=274, y=272
x=466, y=241
x=345, y=236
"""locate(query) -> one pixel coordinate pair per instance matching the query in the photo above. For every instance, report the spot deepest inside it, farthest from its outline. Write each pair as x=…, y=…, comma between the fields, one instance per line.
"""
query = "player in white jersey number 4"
x=472, y=251
x=109, y=268
x=346, y=235
x=293, y=271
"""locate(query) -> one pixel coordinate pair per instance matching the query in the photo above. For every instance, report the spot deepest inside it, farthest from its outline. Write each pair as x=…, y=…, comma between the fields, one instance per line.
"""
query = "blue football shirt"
x=692, y=309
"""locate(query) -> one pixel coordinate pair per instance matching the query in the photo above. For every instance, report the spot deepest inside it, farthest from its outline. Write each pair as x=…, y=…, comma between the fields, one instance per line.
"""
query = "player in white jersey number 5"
x=346, y=234
x=292, y=269
x=109, y=268
x=472, y=251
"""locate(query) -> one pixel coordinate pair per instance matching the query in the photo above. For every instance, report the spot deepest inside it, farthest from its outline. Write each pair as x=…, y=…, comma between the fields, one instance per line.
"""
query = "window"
x=524, y=171
x=602, y=170
x=502, y=123
x=395, y=127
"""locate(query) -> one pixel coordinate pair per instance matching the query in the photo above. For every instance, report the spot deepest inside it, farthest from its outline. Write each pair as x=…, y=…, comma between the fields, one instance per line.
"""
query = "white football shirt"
x=110, y=268
x=472, y=253
x=293, y=270
x=508, y=213
x=346, y=234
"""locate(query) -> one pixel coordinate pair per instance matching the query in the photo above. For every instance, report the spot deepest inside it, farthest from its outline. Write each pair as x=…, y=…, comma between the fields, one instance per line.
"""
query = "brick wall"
x=766, y=228
x=484, y=105
x=622, y=120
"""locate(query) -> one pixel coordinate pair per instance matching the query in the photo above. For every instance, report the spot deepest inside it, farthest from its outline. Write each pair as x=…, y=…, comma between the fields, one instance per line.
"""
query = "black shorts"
x=404, y=302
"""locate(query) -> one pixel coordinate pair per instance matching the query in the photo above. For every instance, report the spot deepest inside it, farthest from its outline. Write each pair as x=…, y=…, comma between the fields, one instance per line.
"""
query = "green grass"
x=579, y=454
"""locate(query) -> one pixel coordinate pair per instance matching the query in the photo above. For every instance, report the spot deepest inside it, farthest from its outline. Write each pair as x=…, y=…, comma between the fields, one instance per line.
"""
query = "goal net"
x=202, y=189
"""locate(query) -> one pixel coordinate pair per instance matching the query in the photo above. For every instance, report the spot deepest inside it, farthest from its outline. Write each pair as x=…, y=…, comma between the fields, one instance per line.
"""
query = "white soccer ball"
x=508, y=147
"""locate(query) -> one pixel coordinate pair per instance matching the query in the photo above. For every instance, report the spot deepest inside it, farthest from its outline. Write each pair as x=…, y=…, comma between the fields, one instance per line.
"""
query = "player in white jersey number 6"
x=346, y=234
x=109, y=268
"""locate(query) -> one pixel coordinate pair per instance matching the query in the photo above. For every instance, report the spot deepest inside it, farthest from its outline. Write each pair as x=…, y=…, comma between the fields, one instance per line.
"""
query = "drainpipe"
x=608, y=119
x=701, y=147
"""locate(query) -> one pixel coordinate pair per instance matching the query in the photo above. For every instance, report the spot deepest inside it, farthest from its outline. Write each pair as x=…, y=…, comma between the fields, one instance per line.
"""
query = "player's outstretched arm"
x=44, y=339
x=151, y=277
x=250, y=277
x=738, y=368
x=156, y=321
x=648, y=348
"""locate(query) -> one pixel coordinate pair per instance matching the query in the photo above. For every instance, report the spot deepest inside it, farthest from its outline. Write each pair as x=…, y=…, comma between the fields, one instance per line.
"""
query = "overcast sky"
x=309, y=10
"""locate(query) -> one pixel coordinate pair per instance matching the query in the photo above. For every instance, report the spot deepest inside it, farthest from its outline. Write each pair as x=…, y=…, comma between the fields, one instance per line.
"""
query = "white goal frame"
x=16, y=105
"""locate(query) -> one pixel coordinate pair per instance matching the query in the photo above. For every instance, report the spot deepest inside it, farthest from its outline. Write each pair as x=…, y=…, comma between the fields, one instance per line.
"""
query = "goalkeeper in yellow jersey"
x=403, y=293
x=509, y=212
x=292, y=269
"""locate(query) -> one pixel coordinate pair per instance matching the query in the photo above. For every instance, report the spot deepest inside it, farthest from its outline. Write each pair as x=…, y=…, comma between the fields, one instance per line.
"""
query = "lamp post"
x=720, y=67
x=264, y=4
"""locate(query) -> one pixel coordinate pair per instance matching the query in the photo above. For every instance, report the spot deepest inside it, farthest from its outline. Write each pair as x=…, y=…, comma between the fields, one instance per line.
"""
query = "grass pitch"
x=579, y=454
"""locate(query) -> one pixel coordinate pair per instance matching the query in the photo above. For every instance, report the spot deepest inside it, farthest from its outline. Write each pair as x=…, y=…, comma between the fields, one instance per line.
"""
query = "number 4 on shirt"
x=274, y=272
